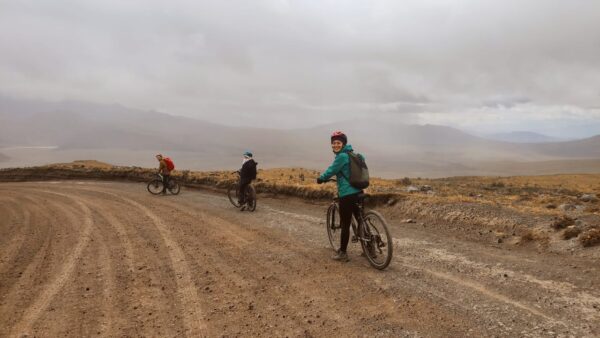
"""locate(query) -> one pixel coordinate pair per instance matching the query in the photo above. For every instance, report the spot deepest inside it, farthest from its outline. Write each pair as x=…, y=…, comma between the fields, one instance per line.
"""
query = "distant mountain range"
x=120, y=135
x=523, y=137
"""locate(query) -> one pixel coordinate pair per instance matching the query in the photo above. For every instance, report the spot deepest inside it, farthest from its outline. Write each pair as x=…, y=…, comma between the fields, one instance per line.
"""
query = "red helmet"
x=338, y=135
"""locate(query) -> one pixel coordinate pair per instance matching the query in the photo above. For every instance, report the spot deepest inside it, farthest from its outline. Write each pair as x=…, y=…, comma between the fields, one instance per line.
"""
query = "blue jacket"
x=341, y=169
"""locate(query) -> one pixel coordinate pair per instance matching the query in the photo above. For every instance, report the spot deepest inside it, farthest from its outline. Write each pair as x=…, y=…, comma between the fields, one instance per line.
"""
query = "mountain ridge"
x=119, y=134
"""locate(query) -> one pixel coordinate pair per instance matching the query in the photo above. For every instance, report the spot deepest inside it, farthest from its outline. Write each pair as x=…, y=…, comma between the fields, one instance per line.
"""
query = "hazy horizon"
x=125, y=136
x=489, y=134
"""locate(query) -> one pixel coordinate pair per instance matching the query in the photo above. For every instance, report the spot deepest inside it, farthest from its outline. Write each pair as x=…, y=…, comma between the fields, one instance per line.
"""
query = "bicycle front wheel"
x=155, y=187
x=232, y=193
x=251, y=198
x=334, y=228
x=376, y=241
x=174, y=187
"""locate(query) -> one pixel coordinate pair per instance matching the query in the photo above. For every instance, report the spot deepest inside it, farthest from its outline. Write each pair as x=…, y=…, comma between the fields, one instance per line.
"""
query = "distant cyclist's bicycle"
x=234, y=196
x=155, y=186
x=370, y=230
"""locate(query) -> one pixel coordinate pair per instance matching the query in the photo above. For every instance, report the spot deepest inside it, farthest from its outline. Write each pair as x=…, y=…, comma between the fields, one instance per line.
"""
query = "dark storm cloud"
x=306, y=62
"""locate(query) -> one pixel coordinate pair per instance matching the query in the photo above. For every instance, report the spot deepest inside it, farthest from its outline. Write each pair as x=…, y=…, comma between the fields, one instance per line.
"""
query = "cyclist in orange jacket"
x=163, y=169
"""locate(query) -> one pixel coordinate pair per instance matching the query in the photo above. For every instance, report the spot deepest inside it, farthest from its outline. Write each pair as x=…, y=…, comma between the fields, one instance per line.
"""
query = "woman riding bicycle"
x=347, y=193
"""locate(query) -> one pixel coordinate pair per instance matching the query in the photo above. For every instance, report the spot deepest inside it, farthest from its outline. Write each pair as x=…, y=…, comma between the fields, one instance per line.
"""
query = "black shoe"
x=340, y=256
x=243, y=208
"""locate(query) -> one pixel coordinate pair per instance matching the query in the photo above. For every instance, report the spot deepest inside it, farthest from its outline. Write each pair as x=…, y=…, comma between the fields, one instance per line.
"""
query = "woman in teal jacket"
x=347, y=193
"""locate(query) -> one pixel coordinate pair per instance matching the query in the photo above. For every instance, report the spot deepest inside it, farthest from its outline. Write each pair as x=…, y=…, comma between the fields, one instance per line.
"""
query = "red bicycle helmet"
x=338, y=135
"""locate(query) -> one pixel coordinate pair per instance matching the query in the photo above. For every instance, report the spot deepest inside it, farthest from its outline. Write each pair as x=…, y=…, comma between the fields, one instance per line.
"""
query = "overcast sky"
x=479, y=65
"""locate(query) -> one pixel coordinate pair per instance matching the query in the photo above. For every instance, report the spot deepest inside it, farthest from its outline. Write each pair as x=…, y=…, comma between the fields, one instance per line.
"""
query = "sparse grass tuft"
x=562, y=222
x=536, y=235
x=571, y=232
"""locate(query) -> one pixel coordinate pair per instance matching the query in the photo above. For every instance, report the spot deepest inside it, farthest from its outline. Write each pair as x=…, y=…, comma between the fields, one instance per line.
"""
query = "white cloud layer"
x=474, y=64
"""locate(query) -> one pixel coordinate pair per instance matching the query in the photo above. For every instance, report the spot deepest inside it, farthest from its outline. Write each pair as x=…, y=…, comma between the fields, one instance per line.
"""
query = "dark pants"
x=165, y=179
x=242, y=190
x=348, y=207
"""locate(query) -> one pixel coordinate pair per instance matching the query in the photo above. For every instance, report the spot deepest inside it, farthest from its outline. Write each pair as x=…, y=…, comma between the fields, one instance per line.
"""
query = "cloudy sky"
x=482, y=66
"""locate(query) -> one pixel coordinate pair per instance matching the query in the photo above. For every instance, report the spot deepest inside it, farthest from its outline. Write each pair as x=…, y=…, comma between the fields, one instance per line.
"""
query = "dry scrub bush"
x=590, y=237
x=534, y=235
x=562, y=222
x=571, y=232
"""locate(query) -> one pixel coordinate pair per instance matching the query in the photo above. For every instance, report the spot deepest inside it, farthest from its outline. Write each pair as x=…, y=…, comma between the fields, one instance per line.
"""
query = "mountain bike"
x=234, y=193
x=155, y=186
x=370, y=230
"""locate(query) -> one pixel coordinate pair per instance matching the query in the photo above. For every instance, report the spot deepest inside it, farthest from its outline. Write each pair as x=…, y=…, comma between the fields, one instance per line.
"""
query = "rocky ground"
x=84, y=258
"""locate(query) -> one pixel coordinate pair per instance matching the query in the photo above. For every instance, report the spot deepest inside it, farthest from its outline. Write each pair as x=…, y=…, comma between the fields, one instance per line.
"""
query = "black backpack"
x=359, y=173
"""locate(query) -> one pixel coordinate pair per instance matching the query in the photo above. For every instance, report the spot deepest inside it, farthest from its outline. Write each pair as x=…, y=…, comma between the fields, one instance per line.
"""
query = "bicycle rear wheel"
x=334, y=228
x=251, y=198
x=233, y=194
x=155, y=187
x=376, y=241
x=174, y=187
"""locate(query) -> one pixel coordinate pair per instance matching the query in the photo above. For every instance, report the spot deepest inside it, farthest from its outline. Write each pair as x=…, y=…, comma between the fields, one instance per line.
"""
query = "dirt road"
x=108, y=259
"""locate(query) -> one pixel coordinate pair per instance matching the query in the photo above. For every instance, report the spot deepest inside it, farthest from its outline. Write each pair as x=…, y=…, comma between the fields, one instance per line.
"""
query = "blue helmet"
x=248, y=154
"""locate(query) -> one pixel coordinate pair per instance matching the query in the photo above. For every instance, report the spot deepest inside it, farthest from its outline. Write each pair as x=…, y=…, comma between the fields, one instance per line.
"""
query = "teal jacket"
x=341, y=169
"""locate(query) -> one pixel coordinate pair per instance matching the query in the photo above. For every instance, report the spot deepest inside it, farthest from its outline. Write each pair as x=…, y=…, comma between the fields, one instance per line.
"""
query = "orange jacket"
x=162, y=168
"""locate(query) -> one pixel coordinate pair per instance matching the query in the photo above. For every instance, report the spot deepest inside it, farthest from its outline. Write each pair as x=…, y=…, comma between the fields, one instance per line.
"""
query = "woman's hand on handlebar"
x=320, y=181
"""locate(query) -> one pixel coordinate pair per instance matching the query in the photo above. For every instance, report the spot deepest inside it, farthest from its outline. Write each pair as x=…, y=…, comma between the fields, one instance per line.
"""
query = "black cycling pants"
x=165, y=179
x=348, y=207
x=242, y=191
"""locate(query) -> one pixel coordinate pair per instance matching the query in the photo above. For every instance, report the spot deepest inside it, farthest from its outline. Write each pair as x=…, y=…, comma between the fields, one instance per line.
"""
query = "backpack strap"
x=341, y=172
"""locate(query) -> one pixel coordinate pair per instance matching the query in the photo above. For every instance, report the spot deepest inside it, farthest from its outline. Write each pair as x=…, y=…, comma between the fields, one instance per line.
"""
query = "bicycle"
x=155, y=186
x=371, y=231
x=234, y=192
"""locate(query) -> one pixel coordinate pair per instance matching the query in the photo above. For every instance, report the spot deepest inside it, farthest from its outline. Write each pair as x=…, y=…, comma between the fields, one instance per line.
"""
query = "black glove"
x=319, y=180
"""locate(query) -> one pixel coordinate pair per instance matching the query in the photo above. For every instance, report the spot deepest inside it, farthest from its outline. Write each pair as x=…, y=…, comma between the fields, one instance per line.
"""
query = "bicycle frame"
x=358, y=225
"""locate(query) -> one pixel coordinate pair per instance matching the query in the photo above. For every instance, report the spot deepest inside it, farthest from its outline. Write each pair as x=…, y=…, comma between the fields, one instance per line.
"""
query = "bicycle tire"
x=174, y=187
x=333, y=227
x=251, y=198
x=155, y=187
x=232, y=193
x=376, y=234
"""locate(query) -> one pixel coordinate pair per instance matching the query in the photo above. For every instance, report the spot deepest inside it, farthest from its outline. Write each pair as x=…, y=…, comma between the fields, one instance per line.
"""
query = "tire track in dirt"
x=188, y=293
x=18, y=291
x=147, y=256
x=34, y=311
x=480, y=288
x=130, y=309
x=584, y=303
x=118, y=227
x=109, y=290
x=29, y=254
x=9, y=250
